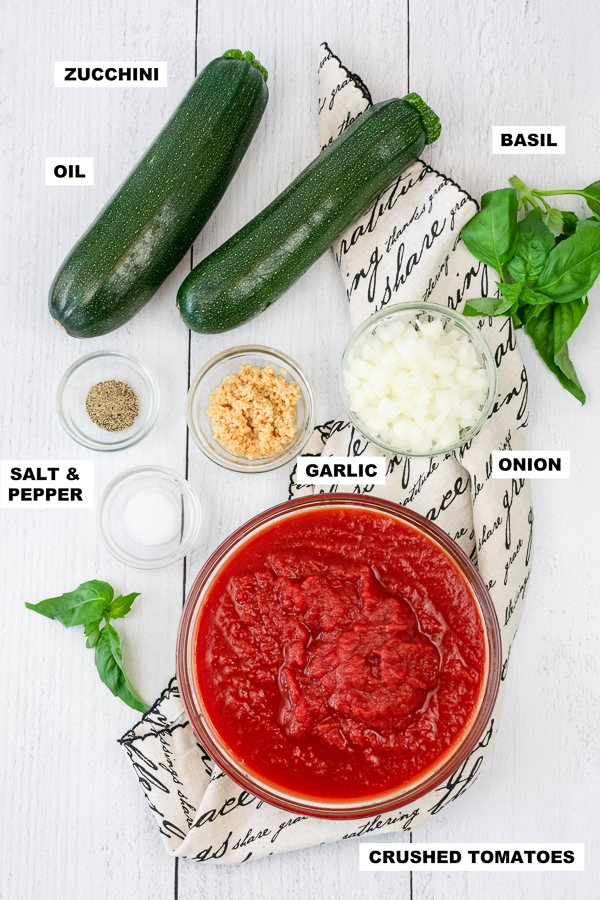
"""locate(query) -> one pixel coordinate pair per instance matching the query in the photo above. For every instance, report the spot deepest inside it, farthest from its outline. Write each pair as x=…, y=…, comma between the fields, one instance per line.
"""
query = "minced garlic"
x=253, y=414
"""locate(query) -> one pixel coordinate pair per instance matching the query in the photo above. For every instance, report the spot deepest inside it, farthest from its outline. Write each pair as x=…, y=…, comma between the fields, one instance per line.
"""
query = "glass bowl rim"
x=161, y=562
x=474, y=335
x=387, y=802
x=238, y=464
x=153, y=391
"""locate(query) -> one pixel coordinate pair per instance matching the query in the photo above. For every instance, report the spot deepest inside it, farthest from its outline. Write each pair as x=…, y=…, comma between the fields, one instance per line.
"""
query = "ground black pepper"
x=112, y=405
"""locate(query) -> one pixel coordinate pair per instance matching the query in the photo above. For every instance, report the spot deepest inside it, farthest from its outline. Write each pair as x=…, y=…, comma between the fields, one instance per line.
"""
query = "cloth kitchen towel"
x=405, y=248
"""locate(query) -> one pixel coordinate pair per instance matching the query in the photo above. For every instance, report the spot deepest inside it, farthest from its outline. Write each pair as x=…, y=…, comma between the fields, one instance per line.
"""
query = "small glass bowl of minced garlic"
x=251, y=409
x=107, y=401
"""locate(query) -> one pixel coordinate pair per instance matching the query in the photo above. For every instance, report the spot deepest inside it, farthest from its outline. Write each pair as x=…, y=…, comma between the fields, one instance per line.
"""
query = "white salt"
x=152, y=517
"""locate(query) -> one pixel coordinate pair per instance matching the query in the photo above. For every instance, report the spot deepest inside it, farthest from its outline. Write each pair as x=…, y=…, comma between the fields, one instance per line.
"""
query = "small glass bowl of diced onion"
x=418, y=379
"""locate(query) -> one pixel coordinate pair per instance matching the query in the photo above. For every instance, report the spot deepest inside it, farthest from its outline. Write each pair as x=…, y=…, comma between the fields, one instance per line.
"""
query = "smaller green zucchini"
x=251, y=270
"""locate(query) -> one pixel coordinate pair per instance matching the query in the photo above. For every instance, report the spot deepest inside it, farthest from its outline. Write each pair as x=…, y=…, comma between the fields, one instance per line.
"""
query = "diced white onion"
x=360, y=368
x=351, y=382
x=417, y=385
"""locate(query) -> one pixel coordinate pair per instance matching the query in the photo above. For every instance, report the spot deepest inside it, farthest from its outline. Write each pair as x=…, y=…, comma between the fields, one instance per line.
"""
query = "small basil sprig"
x=547, y=261
x=92, y=603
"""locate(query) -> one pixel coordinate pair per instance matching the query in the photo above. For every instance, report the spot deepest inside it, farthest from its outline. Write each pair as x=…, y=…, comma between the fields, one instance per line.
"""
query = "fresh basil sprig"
x=547, y=261
x=92, y=603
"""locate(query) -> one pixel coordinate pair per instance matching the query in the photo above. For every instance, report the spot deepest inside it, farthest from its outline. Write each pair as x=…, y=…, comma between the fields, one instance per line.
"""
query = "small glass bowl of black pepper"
x=107, y=401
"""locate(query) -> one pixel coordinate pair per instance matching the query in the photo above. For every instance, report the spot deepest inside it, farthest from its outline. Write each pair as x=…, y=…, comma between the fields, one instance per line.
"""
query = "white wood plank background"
x=74, y=824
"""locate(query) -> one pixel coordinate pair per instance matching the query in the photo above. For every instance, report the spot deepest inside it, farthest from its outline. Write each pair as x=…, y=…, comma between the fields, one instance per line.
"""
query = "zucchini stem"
x=431, y=123
x=247, y=56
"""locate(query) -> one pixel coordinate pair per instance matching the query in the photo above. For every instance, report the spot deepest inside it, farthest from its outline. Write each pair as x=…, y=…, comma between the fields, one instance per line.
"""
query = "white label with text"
x=46, y=484
x=110, y=74
x=71, y=170
x=341, y=470
x=531, y=464
x=528, y=139
x=533, y=857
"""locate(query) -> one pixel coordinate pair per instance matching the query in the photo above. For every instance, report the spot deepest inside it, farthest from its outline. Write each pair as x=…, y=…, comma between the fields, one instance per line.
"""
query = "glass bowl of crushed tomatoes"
x=339, y=656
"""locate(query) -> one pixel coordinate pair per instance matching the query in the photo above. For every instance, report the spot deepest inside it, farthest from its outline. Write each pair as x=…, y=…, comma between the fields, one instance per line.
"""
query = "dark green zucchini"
x=254, y=267
x=153, y=219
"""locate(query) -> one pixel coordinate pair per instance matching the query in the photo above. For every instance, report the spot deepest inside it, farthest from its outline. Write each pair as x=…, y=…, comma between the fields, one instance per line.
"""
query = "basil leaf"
x=592, y=222
x=491, y=235
x=567, y=317
x=553, y=219
x=109, y=662
x=592, y=197
x=487, y=306
x=534, y=243
x=563, y=361
x=530, y=296
x=529, y=312
x=572, y=267
x=92, y=633
x=512, y=292
x=121, y=606
x=541, y=330
x=570, y=222
x=85, y=606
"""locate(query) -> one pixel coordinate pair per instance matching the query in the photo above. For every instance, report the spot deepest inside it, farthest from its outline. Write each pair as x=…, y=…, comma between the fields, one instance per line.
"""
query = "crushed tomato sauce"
x=340, y=653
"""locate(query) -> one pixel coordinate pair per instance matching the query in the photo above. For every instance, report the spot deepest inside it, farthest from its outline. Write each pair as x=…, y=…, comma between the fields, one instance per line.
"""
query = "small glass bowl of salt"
x=149, y=517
